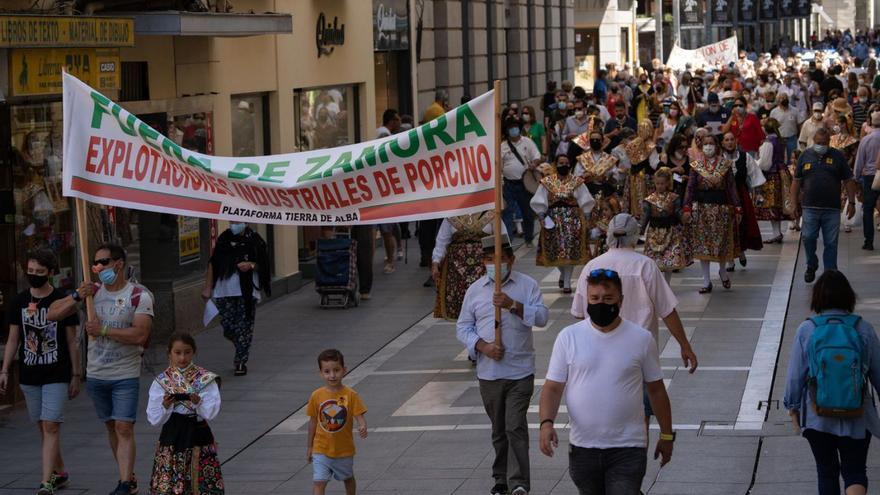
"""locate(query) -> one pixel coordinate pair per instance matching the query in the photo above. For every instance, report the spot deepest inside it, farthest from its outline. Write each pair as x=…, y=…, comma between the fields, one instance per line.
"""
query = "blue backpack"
x=838, y=367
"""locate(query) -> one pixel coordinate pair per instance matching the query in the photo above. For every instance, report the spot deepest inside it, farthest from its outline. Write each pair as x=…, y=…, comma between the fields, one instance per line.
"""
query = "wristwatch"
x=668, y=437
x=76, y=297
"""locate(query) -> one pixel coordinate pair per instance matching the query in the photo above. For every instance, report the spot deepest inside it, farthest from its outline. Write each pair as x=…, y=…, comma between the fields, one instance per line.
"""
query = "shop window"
x=586, y=57
x=43, y=217
x=326, y=117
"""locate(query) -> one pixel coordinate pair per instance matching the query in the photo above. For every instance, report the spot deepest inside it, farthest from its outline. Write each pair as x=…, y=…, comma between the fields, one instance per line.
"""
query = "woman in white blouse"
x=183, y=398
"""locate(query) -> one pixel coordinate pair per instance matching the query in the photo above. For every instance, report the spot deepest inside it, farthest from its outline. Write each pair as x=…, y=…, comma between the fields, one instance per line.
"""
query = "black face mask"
x=596, y=144
x=603, y=314
x=37, y=281
x=563, y=169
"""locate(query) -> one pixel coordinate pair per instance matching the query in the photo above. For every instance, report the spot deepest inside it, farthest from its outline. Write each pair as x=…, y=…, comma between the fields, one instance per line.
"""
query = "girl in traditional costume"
x=183, y=398
x=641, y=160
x=769, y=198
x=563, y=204
x=665, y=240
x=711, y=208
x=598, y=170
x=457, y=259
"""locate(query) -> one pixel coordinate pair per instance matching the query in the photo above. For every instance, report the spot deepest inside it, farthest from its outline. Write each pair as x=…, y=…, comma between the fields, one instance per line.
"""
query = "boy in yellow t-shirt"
x=331, y=409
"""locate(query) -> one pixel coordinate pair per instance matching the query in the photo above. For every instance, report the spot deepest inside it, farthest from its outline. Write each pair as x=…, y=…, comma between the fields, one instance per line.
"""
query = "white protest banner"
x=442, y=168
x=720, y=53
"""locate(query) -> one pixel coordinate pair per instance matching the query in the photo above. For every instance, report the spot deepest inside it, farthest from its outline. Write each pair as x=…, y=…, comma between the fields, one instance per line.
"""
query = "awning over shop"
x=178, y=23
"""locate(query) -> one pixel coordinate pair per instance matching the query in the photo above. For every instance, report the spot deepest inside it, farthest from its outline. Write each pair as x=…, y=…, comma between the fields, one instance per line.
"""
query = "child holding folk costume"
x=665, y=240
x=563, y=204
x=183, y=398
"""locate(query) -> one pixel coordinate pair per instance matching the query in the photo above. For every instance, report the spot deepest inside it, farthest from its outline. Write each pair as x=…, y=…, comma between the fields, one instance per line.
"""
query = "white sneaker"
x=400, y=254
x=519, y=491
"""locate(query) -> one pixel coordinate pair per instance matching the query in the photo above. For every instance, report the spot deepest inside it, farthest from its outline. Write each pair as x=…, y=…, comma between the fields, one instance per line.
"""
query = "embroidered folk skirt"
x=769, y=198
x=712, y=232
x=461, y=267
x=566, y=243
x=186, y=459
x=667, y=245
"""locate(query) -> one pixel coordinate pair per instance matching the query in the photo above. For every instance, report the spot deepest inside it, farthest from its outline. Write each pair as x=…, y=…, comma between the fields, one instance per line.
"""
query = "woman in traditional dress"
x=769, y=198
x=183, y=398
x=748, y=233
x=598, y=170
x=665, y=240
x=563, y=204
x=711, y=208
x=641, y=161
x=457, y=259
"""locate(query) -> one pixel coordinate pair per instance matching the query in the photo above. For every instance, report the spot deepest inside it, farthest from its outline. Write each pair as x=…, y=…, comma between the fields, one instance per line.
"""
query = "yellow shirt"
x=433, y=111
x=335, y=412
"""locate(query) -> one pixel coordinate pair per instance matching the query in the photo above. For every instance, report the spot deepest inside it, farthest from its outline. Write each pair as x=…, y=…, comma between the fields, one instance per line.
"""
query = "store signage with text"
x=390, y=25
x=328, y=35
x=37, y=71
x=442, y=168
x=22, y=31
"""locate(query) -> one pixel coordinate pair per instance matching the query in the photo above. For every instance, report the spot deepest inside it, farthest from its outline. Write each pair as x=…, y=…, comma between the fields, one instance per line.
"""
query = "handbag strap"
x=517, y=155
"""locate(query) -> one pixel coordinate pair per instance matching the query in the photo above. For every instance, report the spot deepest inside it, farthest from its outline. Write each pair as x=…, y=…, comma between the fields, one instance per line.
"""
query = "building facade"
x=221, y=83
x=463, y=46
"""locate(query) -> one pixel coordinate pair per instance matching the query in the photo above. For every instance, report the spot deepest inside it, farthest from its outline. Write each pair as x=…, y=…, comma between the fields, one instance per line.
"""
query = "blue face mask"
x=490, y=271
x=513, y=132
x=820, y=148
x=236, y=228
x=107, y=276
x=561, y=105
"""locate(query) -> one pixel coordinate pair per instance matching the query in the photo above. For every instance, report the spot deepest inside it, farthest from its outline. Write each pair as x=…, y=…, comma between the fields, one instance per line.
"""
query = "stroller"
x=336, y=278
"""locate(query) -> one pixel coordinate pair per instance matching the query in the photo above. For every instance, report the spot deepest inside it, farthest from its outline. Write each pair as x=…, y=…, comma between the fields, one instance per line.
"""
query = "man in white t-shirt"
x=611, y=358
x=519, y=155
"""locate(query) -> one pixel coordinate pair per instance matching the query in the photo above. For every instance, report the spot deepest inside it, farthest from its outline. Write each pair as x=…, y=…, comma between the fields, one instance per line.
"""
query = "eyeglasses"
x=737, y=106
x=604, y=273
x=103, y=262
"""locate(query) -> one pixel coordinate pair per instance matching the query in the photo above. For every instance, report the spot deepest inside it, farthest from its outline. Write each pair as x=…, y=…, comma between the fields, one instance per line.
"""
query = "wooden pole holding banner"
x=82, y=238
x=497, y=225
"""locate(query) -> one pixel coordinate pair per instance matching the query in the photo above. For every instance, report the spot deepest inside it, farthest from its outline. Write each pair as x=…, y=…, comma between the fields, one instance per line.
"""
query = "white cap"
x=623, y=231
x=818, y=106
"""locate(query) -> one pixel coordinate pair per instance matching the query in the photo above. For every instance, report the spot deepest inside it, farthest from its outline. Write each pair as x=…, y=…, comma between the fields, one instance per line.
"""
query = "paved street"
x=428, y=432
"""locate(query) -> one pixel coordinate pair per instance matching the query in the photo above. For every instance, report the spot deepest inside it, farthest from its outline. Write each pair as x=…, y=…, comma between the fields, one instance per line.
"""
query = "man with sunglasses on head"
x=124, y=319
x=617, y=360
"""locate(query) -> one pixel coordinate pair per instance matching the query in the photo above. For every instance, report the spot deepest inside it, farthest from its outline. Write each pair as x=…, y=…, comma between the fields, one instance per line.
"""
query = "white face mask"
x=709, y=150
x=527, y=118
x=579, y=114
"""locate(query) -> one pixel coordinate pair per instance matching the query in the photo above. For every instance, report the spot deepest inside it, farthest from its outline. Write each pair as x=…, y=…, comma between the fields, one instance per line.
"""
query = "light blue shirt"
x=866, y=155
x=797, y=398
x=477, y=321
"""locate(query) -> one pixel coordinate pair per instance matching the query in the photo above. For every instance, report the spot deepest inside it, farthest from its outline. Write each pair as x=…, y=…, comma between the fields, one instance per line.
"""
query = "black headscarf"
x=232, y=249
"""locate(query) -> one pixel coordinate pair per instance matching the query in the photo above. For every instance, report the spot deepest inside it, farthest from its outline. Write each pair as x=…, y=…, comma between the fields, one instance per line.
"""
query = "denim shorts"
x=115, y=400
x=615, y=470
x=340, y=468
x=45, y=402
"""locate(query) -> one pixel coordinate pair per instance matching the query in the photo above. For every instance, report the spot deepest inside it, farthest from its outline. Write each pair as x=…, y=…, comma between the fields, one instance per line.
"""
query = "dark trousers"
x=428, y=237
x=616, y=471
x=869, y=196
x=365, y=236
x=515, y=193
x=839, y=456
x=506, y=403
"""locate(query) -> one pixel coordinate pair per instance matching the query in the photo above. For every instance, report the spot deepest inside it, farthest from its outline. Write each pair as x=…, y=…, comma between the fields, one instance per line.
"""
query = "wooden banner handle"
x=497, y=226
x=82, y=238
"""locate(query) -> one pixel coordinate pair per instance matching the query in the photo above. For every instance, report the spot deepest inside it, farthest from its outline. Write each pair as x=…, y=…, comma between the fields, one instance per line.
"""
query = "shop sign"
x=390, y=25
x=748, y=11
x=804, y=8
x=328, y=35
x=788, y=8
x=691, y=14
x=768, y=10
x=37, y=71
x=22, y=31
x=188, y=239
x=722, y=11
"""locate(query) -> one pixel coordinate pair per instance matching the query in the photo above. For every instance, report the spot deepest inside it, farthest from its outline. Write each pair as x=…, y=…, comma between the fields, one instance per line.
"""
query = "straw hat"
x=840, y=105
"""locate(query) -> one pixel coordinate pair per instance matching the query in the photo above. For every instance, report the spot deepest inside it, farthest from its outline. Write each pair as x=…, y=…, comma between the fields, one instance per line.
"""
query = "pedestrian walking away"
x=237, y=272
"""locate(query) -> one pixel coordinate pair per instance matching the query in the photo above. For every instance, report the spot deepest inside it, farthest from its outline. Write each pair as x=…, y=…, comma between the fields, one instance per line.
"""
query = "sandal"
x=726, y=283
x=706, y=290
x=774, y=240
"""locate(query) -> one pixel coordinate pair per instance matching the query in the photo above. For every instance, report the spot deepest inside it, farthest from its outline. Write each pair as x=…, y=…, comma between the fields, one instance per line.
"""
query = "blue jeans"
x=870, y=201
x=515, y=194
x=828, y=220
x=838, y=457
x=791, y=144
x=115, y=400
x=617, y=471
